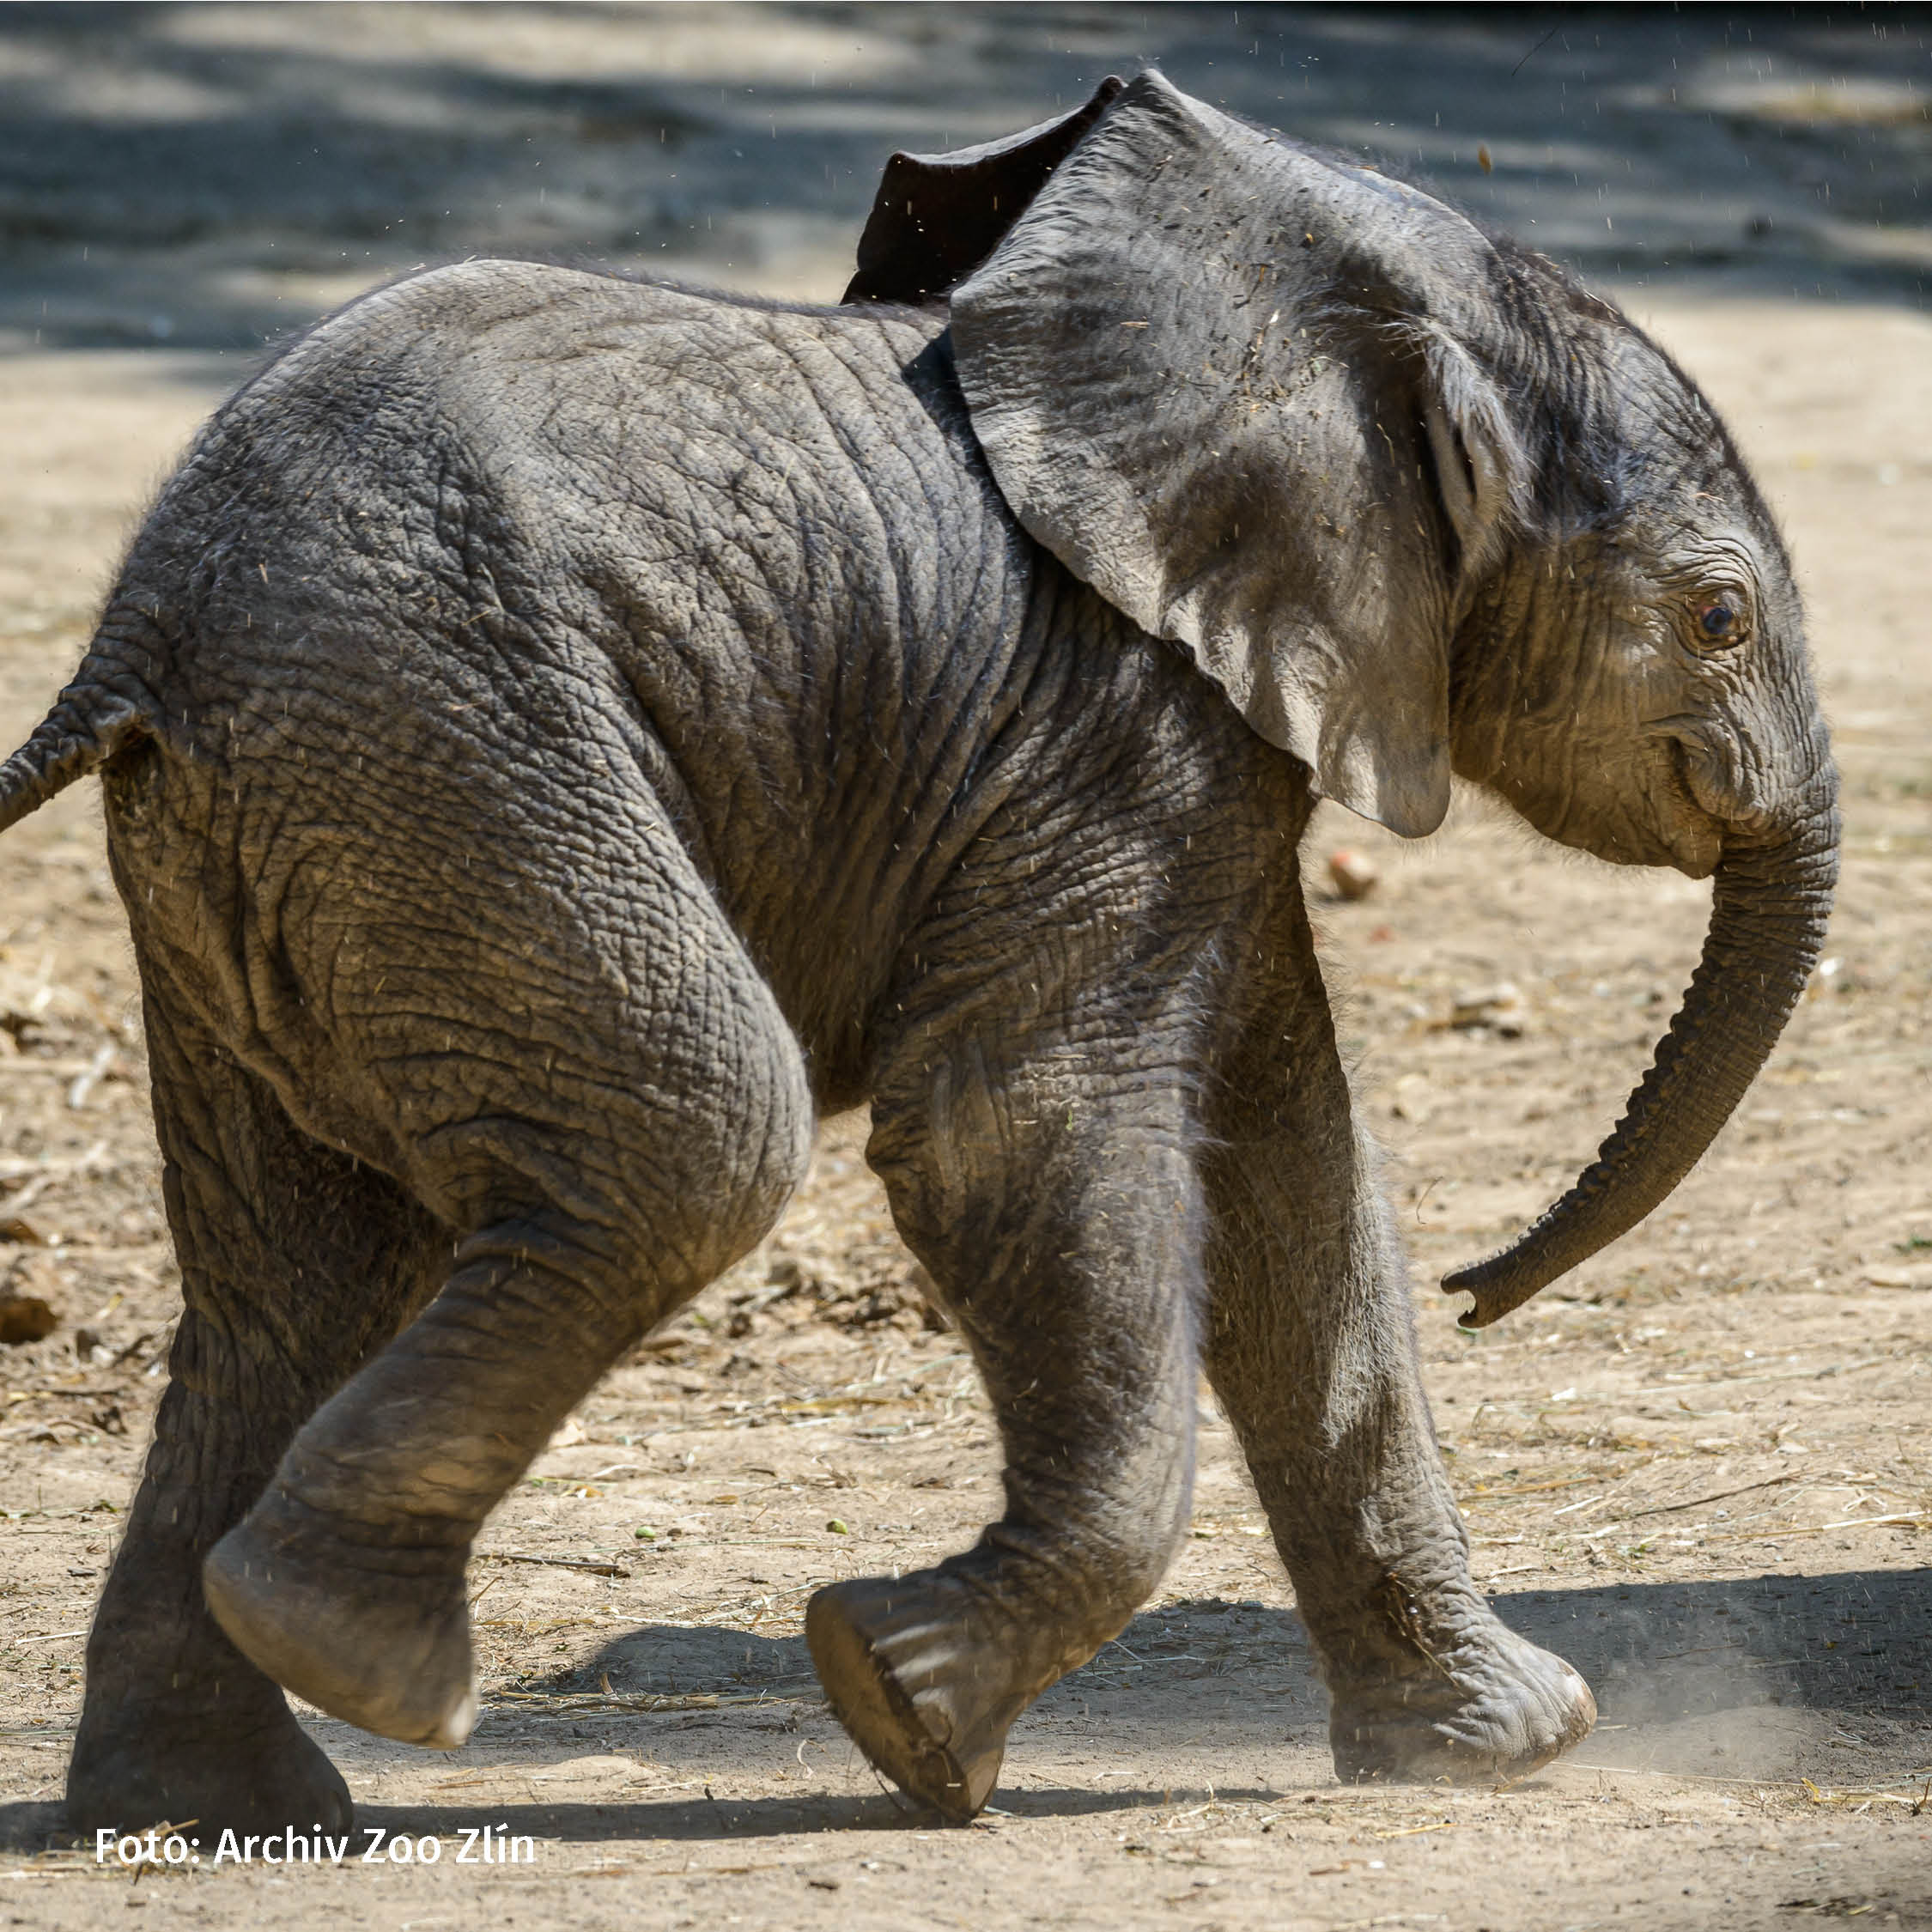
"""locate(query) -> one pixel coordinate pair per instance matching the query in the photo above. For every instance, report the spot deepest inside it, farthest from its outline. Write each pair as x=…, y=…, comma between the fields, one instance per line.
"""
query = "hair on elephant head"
x=1418, y=503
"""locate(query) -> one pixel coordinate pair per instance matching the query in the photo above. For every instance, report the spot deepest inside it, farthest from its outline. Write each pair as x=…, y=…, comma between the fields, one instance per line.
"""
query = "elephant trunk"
x=1773, y=895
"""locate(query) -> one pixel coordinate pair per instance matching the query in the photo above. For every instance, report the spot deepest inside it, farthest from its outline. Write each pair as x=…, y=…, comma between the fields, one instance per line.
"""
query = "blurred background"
x=214, y=176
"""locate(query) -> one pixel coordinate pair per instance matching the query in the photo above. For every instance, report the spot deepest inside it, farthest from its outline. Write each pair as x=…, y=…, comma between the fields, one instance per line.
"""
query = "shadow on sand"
x=170, y=178
x=1720, y=1658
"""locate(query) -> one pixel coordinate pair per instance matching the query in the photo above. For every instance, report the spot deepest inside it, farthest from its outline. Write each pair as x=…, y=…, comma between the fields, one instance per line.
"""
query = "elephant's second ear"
x=937, y=217
x=1233, y=384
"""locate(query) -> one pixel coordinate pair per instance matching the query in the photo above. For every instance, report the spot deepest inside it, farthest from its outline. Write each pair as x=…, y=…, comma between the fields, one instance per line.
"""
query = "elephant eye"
x=1719, y=620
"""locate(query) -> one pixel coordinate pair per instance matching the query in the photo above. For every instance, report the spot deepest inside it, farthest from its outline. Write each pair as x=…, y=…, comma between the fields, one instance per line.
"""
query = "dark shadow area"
x=1703, y=1678
x=215, y=177
x=1267, y=1647
x=763, y=1818
x=668, y=1660
x=27, y=1828
x=1851, y=1642
x=1854, y=1641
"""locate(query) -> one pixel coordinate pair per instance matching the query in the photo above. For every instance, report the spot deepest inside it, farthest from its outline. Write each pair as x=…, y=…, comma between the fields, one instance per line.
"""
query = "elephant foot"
x=926, y=1699
x=1485, y=1707
x=379, y=1638
x=135, y=1767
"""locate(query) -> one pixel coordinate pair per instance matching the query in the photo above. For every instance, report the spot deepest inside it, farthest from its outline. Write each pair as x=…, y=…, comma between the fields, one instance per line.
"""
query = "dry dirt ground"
x=1699, y=1467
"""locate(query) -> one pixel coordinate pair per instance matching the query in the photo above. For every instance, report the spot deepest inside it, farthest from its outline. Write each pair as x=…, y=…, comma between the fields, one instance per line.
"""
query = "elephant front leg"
x=1061, y=1228
x=1311, y=1348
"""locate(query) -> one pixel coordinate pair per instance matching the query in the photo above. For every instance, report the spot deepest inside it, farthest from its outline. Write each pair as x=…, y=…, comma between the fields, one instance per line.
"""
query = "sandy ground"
x=1699, y=1467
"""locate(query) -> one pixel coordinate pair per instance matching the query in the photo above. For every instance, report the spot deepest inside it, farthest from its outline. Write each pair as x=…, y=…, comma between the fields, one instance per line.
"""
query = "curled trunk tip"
x=1767, y=926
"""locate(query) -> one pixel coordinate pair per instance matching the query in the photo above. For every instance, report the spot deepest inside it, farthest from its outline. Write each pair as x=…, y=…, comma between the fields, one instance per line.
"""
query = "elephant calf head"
x=1416, y=503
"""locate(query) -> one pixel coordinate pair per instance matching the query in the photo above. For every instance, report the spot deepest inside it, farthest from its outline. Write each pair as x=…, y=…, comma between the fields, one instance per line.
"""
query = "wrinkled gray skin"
x=560, y=736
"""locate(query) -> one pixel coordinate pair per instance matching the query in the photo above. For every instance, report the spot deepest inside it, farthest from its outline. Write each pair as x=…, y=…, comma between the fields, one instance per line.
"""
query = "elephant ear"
x=1232, y=384
x=937, y=217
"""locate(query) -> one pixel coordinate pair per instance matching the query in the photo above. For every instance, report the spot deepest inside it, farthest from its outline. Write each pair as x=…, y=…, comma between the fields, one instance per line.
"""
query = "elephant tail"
x=106, y=706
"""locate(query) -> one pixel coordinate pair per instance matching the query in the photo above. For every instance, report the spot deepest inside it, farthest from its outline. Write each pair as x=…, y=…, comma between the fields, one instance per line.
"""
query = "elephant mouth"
x=1694, y=830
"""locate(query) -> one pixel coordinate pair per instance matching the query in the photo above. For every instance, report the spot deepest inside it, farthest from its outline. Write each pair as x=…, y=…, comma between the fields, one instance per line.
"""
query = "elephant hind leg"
x=297, y=1263
x=592, y=1087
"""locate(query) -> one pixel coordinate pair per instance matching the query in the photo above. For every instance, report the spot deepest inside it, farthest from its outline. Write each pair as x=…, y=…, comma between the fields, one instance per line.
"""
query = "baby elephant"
x=561, y=734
